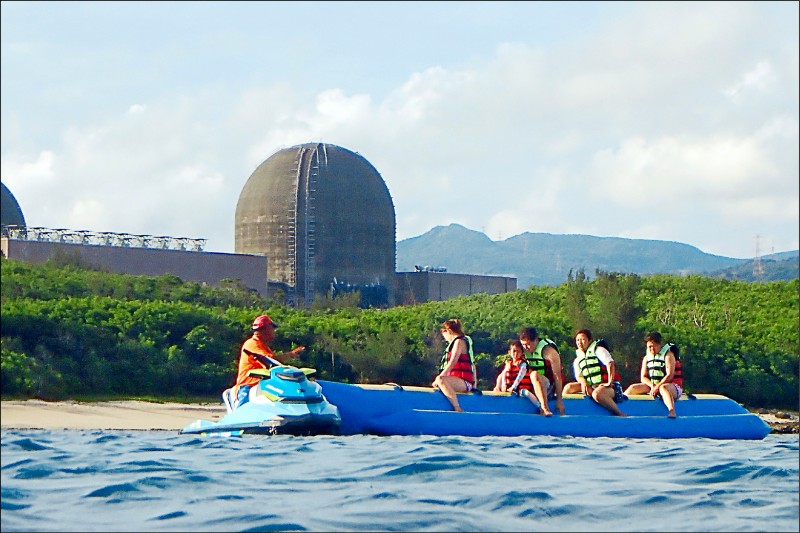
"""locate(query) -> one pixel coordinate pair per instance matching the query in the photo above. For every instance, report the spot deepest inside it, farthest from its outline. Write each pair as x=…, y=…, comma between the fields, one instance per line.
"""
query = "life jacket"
x=536, y=360
x=538, y=363
x=465, y=365
x=657, y=366
x=513, y=371
x=592, y=368
x=248, y=360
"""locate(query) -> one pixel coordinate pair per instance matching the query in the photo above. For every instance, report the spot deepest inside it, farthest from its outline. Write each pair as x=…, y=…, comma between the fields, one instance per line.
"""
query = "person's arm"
x=586, y=389
x=670, y=370
x=612, y=371
x=503, y=378
x=553, y=356
x=285, y=356
x=264, y=359
x=643, y=377
x=555, y=363
x=523, y=369
x=275, y=359
x=607, y=360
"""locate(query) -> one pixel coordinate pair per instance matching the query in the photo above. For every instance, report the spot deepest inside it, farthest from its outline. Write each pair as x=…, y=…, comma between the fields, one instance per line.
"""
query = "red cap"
x=263, y=321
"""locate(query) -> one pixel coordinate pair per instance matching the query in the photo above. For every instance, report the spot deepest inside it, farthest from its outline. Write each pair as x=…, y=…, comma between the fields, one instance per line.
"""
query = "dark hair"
x=528, y=334
x=515, y=342
x=653, y=336
x=453, y=325
x=585, y=332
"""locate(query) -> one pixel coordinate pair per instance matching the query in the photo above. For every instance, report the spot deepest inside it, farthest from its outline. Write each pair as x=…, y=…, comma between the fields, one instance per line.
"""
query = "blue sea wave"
x=161, y=481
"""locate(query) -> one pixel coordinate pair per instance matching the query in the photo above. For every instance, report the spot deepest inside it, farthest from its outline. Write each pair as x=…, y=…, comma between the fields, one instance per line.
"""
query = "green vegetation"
x=69, y=332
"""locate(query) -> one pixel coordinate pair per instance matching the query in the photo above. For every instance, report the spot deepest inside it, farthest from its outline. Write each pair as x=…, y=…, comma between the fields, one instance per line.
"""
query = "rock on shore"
x=782, y=422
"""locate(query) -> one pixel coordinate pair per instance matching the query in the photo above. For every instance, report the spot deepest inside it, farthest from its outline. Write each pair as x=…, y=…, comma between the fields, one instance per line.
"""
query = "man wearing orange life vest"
x=257, y=354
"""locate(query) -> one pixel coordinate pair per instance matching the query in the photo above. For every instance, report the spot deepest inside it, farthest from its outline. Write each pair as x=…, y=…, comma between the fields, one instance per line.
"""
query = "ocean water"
x=162, y=481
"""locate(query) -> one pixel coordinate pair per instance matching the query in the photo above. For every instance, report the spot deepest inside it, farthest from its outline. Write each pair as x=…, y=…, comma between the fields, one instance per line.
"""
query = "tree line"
x=69, y=331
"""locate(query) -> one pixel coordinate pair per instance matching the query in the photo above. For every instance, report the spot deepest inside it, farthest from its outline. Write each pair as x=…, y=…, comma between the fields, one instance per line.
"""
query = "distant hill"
x=545, y=258
x=771, y=270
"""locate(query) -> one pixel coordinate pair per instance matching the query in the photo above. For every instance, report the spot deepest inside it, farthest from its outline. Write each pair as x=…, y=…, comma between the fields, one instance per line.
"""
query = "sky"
x=651, y=120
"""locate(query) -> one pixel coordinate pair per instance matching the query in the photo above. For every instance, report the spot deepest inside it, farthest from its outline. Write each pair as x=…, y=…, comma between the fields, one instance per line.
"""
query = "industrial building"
x=427, y=285
x=322, y=215
x=145, y=255
x=312, y=220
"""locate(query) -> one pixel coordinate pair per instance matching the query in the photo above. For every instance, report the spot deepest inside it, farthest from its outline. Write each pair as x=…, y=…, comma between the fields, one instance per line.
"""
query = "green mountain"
x=770, y=270
x=546, y=259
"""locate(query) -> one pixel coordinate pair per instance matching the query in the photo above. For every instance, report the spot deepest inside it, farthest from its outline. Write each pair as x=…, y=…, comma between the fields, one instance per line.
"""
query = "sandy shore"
x=135, y=415
x=37, y=414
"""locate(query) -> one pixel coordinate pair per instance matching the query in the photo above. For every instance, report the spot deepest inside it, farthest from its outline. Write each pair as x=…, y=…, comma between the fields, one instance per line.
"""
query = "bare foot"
x=622, y=414
x=547, y=413
x=458, y=410
x=671, y=414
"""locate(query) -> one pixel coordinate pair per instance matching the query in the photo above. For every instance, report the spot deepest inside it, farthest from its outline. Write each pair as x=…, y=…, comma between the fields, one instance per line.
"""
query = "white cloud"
x=87, y=213
x=715, y=173
x=39, y=170
x=760, y=78
x=136, y=109
x=693, y=106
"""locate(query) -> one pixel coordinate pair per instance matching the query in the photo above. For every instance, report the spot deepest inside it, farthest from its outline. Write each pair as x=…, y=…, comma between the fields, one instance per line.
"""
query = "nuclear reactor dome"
x=321, y=214
x=10, y=212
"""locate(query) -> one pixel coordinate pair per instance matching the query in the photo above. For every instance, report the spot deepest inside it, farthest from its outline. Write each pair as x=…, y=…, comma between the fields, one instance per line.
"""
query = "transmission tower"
x=758, y=267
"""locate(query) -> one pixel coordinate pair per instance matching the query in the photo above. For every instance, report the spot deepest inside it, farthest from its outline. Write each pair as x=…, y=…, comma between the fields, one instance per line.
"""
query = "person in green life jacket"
x=516, y=377
x=457, y=371
x=596, y=372
x=545, y=359
x=661, y=374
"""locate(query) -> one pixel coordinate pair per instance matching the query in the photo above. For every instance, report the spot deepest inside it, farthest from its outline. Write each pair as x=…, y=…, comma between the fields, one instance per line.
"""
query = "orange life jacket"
x=253, y=345
x=463, y=367
x=512, y=371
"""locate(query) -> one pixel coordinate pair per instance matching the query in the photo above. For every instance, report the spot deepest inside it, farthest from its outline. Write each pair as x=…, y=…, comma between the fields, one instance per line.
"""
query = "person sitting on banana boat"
x=596, y=372
x=661, y=374
x=517, y=377
x=457, y=372
x=545, y=359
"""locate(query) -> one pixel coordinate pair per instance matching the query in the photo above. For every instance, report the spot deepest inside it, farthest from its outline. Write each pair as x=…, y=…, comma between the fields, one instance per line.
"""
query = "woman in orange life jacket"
x=596, y=373
x=457, y=373
x=517, y=376
x=661, y=374
x=256, y=354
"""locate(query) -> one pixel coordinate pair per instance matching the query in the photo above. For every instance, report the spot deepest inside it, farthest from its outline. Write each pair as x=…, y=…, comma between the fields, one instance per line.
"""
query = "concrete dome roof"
x=10, y=212
x=318, y=211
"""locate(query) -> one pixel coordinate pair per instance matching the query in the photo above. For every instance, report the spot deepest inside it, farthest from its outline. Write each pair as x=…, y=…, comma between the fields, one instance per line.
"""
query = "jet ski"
x=284, y=401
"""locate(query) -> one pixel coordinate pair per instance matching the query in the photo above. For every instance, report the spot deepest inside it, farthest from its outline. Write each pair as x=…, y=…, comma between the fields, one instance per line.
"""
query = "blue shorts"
x=619, y=397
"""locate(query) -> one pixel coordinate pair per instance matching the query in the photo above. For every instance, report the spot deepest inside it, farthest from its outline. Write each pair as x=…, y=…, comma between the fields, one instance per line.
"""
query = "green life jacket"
x=536, y=360
x=657, y=366
x=590, y=367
